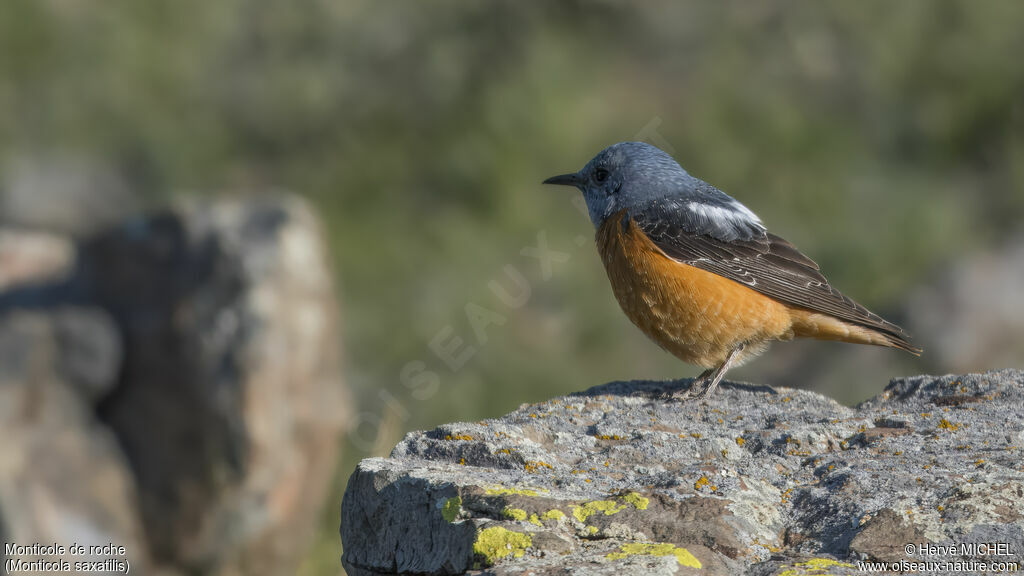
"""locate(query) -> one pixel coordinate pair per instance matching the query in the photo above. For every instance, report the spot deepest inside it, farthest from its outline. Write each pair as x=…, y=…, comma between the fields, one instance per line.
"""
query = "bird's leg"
x=700, y=380
x=720, y=372
x=716, y=376
x=703, y=376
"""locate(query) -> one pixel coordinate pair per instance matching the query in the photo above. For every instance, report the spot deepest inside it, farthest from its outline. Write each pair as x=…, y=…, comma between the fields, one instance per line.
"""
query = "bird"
x=699, y=273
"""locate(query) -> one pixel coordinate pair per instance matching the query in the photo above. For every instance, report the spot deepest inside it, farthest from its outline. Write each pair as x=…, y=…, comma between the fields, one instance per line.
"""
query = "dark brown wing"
x=768, y=264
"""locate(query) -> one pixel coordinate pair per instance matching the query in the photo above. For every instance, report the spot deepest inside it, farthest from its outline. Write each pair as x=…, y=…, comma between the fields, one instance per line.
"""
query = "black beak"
x=564, y=180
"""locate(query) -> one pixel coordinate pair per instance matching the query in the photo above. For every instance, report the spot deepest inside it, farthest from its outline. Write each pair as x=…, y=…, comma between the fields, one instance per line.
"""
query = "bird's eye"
x=600, y=175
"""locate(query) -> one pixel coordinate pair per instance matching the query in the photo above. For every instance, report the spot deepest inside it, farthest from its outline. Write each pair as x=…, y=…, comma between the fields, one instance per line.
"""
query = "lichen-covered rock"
x=753, y=480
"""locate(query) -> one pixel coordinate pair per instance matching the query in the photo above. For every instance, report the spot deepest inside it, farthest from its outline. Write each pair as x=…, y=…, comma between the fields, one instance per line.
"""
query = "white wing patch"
x=736, y=214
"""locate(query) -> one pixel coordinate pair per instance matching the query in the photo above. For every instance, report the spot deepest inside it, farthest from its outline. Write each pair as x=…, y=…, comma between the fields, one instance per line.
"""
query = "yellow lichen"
x=587, y=510
x=610, y=507
x=553, y=514
x=701, y=482
x=814, y=567
x=532, y=467
x=496, y=543
x=591, y=530
x=514, y=513
x=451, y=509
x=947, y=425
x=638, y=501
x=502, y=491
x=683, y=556
x=458, y=437
x=740, y=441
x=535, y=520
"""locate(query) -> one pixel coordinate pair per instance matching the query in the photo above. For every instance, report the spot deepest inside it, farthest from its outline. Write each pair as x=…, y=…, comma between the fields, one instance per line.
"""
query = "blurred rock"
x=90, y=351
x=63, y=477
x=179, y=393
x=230, y=400
x=32, y=257
x=616, y=480
x=63, y=192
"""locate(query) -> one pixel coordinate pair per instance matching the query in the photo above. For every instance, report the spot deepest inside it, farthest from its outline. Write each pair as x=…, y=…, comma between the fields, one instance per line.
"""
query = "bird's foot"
x=697, y=389
x=706, y=383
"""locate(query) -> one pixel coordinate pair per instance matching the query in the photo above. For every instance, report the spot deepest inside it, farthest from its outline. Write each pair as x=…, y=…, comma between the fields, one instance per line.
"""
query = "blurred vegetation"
x=883, y=138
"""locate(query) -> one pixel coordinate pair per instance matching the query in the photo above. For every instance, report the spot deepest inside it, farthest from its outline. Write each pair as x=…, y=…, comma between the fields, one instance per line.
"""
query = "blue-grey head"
x=635, y=176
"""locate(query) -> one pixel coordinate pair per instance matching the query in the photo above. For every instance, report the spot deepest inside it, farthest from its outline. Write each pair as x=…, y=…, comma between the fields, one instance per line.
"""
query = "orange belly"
x=697, y=316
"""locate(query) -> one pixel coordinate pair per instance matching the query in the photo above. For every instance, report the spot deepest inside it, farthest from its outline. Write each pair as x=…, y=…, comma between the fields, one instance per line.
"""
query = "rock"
x=230, y=401
x=752, y=481
x=89, y=353
x=884, y=536
x=28, y=257
x=173, y=387
x=63, y=477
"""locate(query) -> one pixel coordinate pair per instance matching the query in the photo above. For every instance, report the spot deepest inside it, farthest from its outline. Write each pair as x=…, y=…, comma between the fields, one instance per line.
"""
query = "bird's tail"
x=809, y=324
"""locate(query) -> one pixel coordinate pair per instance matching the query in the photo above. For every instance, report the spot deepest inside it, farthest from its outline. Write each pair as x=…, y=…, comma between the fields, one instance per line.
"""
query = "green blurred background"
x=883, y=138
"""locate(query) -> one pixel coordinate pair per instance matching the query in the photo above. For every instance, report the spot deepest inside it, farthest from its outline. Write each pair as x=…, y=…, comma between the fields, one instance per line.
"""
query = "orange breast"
x=696, y=315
